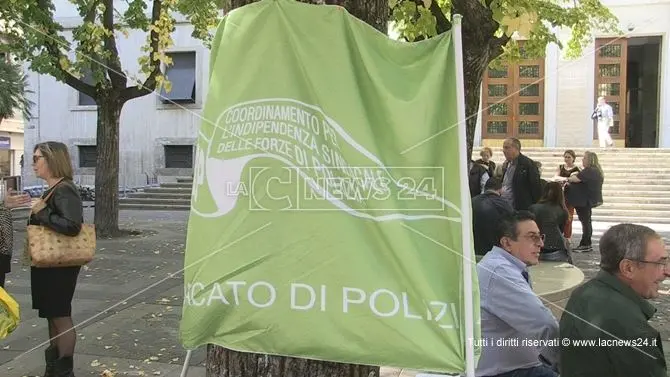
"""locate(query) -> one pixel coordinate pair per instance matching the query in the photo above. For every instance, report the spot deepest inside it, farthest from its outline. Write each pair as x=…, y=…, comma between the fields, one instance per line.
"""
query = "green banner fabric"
x=326, y=212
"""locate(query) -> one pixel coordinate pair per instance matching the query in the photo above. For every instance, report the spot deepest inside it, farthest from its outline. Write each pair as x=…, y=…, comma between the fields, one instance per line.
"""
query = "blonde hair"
x=57, y=158
x=487, y=150
x=591, y=160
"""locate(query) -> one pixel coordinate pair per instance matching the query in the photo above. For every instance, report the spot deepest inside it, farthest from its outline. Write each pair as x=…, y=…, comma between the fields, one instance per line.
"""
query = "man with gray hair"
x=609, y=315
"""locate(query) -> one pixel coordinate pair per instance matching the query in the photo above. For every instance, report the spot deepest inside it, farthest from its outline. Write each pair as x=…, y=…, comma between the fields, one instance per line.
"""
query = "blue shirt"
x=513, y=317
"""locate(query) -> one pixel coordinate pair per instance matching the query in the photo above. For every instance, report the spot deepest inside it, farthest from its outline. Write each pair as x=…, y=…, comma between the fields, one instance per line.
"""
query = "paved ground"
x=128, y=305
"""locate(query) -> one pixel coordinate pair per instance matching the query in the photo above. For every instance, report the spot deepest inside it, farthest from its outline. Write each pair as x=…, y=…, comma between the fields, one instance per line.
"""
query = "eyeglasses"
x=536, y=238
x=665, y=262
x=36, y=158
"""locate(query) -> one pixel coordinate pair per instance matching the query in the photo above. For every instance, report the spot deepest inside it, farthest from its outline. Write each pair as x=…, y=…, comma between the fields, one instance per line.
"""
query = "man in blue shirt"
x=518, y=331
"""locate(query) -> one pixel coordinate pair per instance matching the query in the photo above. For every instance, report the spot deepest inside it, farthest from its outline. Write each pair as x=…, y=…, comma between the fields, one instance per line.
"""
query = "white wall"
x=146, y=124
x=577, y=77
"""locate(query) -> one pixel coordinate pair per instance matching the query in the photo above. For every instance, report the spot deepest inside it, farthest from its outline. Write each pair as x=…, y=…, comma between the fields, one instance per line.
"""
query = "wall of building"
x=577, y=77
x=10, y=157
x=570, y=83
x=146, y=123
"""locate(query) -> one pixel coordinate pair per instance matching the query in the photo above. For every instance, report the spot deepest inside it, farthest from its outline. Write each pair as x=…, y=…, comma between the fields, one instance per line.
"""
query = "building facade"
x=156, y=138
x=11, y=141
x=544, y=102
x=548, y=102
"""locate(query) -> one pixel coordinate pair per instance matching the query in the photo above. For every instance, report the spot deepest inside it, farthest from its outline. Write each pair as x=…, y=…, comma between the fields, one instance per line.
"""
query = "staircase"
x=636, y=188
x=166, y=197
x=637, y=181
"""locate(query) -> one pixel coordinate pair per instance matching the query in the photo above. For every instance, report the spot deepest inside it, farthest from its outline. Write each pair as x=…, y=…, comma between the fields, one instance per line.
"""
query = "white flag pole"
x=187, y=361
x=466, y=219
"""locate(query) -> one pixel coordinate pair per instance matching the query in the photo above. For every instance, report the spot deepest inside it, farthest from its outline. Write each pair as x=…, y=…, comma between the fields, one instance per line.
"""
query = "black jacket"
x=64, y=212
x=487, y=210
x=588, y=192
x=525, y=183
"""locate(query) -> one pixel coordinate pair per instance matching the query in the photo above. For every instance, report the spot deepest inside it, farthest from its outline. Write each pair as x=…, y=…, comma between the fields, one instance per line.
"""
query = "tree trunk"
x=480, y=47
x=237, y=364
x=107, y=166
x=474, y=65
x=222, y=362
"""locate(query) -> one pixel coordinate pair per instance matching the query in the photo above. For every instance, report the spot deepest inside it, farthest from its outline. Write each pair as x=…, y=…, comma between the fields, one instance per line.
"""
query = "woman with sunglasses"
x=52, y=288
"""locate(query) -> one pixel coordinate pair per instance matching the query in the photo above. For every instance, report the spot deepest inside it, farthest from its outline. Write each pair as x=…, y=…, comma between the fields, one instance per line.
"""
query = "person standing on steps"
x=485, y=160
x=604, y=115
x=565, y=171
x=584, y=191
x=521, y=178
x=52, y=288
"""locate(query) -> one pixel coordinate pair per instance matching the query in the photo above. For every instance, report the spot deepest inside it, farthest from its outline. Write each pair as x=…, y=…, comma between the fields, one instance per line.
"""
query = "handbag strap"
x=53, y=188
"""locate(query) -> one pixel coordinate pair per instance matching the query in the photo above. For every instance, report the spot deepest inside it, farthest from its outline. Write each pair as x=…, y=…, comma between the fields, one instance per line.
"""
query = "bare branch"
x=114, y=70
x=150, y=83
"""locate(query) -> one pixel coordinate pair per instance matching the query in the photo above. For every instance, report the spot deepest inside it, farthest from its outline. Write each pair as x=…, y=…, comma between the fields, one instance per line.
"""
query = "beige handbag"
x=47, y=248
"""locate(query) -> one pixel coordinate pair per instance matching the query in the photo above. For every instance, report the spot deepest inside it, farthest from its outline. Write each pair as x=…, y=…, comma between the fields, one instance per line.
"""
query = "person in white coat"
x=604, y=115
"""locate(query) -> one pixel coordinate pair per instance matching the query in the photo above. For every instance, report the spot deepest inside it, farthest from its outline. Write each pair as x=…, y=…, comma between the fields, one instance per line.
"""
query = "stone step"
x=166, y=190
x=154, y=200
x=612, y=177
x=633, y=187
x=635, y=206
x=619, y=170
x=560, y=150
x=628, y=219
x=155, y=207
x=160, y=195
x=177, y=185
x=185, y=180
x=603, y=211
x=609, y=193
x=638, y=199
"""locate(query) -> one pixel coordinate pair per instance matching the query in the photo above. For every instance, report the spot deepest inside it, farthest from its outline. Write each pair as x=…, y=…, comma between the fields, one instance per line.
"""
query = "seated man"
x=613, y=307
x=519, y=330
x=487, y=210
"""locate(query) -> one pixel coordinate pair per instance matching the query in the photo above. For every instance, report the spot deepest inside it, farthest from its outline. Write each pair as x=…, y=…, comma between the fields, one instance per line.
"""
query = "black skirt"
x=52, y=289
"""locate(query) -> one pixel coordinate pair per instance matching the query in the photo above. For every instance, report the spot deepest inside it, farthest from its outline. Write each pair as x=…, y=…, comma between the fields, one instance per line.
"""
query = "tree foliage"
x=537, y=22
x=33, y=35
x=86, y=57
x=14, y=91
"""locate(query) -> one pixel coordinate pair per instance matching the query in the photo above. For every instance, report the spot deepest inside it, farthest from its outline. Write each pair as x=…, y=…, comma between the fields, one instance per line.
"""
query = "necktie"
x=526, y=276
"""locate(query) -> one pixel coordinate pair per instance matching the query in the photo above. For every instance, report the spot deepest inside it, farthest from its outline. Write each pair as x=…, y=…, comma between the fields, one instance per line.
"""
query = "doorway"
x=642, y=94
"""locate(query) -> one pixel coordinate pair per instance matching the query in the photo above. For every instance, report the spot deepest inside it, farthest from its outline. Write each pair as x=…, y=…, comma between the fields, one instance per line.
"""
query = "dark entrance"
x=642, y=97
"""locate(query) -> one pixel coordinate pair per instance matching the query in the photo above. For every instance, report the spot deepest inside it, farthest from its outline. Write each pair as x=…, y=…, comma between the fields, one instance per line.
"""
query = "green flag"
x=326, y=218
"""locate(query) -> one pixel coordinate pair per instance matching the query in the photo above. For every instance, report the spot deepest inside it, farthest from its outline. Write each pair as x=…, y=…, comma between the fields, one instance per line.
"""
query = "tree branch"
x=150, y=83
x=56, y=55
x=114, y=70
x=441, y=21
x=496, y=46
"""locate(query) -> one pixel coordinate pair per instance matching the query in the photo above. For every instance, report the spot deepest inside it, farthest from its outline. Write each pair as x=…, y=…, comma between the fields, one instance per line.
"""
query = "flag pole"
x=466, y=222
x=187, y=361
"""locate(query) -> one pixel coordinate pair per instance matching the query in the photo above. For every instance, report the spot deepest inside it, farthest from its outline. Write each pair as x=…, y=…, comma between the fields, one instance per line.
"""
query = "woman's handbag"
x=47, y=248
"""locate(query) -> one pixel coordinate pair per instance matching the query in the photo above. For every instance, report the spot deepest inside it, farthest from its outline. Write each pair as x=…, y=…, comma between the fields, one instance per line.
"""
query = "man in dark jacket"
x=521, y=178
x=610, y=313
x=487, y=210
